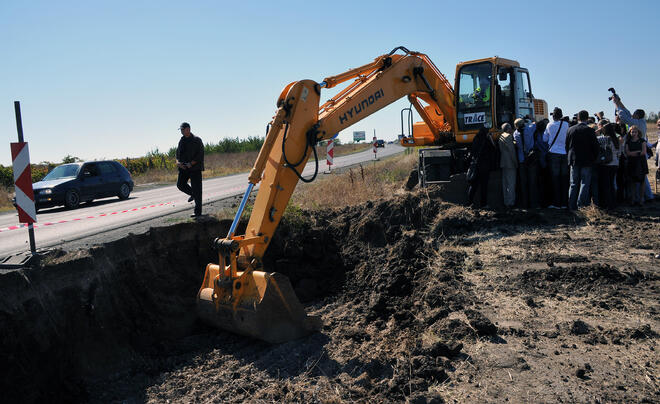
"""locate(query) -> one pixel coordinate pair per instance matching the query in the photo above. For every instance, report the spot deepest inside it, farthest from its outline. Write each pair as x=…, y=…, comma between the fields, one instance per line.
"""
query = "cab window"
x=504, y=100
x=524, y=95
x=475, y=96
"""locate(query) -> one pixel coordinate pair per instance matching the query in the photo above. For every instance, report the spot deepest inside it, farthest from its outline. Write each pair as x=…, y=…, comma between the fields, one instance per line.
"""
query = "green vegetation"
x=228, y=145
x=652, y=117
x=6, y=176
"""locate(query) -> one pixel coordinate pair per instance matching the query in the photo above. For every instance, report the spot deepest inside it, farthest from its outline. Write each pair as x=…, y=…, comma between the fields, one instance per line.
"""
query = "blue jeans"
x=648, y=194
x=578, y=193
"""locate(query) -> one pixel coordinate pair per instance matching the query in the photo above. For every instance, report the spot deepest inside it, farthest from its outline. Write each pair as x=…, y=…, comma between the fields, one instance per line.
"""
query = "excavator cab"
x=492, y=92
x=488, y=93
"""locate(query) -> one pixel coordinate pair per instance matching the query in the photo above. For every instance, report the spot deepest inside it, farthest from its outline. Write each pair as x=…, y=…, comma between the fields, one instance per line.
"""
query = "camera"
x=613, y=91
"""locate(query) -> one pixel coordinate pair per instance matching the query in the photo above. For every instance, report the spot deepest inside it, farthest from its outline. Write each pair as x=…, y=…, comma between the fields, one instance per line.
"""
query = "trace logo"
x=361, y=106
x=474, y=118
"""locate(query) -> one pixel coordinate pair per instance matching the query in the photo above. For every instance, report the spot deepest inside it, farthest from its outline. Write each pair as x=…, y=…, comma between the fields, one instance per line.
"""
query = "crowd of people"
x=567, y=163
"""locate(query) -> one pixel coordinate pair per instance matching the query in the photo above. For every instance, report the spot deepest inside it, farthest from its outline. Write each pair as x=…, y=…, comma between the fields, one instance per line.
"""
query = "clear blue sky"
x=114, y=79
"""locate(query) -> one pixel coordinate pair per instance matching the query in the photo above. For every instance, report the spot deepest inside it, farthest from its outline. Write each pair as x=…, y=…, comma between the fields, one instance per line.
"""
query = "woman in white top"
x=607, y=170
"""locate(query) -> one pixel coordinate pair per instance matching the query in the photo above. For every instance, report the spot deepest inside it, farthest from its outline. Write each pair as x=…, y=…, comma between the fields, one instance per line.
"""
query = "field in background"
x=220, y=164
x=368, y=181
x=161, y=168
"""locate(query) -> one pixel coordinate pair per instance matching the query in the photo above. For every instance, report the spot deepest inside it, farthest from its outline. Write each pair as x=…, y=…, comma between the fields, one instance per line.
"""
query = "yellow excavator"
x=237, y=294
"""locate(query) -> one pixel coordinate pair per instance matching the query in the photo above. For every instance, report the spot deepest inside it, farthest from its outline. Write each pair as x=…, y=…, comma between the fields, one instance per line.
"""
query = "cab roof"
x=496, y=60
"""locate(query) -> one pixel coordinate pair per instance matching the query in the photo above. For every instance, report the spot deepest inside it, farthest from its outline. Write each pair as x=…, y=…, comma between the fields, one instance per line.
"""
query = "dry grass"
x=370, y=180
x=592, y=214
x=215, y=165
x=5, y=199
x=220, y=164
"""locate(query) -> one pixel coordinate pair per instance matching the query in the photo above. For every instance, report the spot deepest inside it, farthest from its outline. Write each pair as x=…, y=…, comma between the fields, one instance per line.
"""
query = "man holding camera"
x=637, y=118
x=190, y=160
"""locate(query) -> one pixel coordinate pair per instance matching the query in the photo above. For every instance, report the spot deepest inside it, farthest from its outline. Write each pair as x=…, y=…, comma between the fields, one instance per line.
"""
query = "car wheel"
x=71, y=199
x=124, y=191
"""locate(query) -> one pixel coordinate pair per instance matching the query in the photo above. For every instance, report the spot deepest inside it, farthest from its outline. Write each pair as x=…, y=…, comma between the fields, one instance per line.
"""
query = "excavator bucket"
x=256, y=304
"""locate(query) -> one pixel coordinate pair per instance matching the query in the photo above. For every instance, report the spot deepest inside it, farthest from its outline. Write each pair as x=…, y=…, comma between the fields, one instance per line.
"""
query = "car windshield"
x=65, y=171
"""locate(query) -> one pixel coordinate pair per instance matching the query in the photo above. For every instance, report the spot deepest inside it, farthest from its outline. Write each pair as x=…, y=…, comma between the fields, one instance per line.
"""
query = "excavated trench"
x=85, y=315
x=85, y=318
x=398, y=283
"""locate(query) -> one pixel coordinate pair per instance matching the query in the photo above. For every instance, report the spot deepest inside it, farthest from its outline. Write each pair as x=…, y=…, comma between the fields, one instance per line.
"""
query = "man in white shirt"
x=555, y=137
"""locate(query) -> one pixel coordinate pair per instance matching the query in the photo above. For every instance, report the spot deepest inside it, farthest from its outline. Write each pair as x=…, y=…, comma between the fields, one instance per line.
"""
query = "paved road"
x=57, y=226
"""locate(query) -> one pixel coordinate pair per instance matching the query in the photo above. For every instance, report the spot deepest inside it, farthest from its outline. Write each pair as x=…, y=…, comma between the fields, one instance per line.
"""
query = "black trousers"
x=606, y=194
x=528, y=185
x=481, y=182
x=194, y=189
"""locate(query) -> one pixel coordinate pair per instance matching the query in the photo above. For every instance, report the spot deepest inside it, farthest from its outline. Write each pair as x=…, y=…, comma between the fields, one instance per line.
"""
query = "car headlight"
x=46, y=191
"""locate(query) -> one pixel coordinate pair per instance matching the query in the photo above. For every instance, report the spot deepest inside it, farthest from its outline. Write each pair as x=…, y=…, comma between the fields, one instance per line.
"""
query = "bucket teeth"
x=267, y=309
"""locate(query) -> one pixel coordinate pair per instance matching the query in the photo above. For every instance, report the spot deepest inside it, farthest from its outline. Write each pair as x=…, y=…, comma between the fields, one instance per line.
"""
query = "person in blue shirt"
x=527, y=168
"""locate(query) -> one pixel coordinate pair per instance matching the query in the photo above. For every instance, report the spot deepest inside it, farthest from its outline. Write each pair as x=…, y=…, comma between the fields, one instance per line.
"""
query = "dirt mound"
x=117, y=308
x=577, y=279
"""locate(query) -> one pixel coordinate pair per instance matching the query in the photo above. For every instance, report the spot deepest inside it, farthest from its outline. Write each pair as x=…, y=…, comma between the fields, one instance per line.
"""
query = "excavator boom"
x=236, y=294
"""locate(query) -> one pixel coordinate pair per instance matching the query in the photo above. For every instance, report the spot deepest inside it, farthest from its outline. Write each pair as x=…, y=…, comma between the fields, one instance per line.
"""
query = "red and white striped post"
x=330, y=154
x=20, y=157
x=375, y=145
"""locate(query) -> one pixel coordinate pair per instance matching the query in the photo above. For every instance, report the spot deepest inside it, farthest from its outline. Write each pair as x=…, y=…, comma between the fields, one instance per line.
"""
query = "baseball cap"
x=184, y=125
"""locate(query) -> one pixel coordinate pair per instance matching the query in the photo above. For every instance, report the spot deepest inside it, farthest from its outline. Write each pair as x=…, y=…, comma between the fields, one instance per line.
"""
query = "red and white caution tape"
x=20, y=226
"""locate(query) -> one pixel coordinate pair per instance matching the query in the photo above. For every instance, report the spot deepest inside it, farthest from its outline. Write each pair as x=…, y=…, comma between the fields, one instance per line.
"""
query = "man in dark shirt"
x=582, y=149
x=190, y=160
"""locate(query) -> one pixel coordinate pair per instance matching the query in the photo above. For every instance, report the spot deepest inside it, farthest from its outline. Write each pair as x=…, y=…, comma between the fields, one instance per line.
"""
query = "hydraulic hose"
x=310, y=141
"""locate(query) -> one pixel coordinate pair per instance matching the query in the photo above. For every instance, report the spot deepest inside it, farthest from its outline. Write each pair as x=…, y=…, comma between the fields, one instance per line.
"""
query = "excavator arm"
x=236, y=295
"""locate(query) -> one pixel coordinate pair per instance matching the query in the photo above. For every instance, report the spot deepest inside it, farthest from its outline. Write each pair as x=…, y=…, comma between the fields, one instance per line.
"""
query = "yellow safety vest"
x=486, y=96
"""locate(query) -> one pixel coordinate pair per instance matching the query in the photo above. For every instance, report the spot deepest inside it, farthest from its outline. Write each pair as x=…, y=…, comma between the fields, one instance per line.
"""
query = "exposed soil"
x=421, y=300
